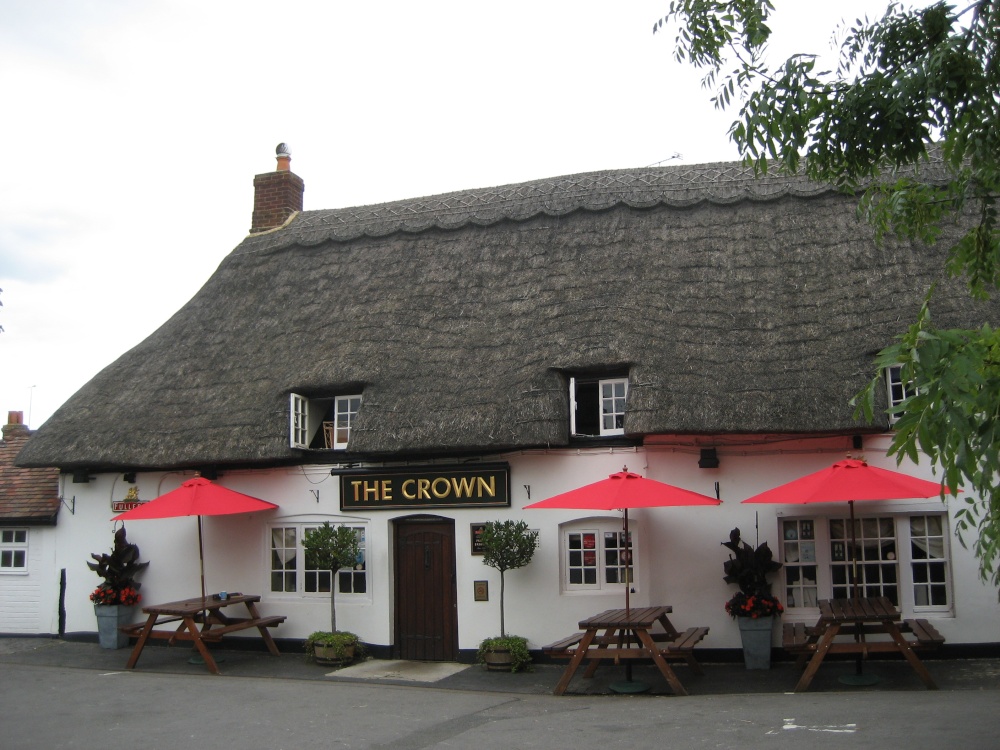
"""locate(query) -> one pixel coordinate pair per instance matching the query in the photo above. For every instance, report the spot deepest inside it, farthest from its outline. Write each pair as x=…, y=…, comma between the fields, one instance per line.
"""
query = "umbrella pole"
x=858, y=678
x=629, y=686
x=628, y=605
x=201, y=560
x=196, y=658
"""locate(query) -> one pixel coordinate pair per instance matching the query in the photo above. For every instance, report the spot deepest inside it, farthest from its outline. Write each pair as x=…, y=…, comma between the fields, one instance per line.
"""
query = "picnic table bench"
x=800, y=639
x=200, y=620
x=616, y=635
x=859, y=618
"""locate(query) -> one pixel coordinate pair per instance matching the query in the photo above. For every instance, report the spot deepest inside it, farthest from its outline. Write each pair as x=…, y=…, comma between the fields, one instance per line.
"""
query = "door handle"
x=427, y=556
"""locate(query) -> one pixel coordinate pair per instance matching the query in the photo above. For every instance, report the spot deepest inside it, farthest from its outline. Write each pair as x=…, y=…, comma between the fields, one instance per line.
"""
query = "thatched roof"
x=737, y=305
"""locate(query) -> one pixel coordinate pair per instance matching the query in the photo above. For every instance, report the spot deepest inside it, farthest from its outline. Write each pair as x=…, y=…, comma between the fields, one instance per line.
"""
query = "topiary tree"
x=331, y=548
x=507, y=545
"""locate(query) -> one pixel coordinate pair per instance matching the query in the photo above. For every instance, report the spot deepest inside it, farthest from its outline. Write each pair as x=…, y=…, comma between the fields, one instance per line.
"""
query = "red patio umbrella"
x=849, y=481
x=197, y=497
x=621, y=491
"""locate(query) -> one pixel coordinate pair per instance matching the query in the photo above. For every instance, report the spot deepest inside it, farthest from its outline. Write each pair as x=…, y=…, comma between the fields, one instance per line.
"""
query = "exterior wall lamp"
x=709, y=459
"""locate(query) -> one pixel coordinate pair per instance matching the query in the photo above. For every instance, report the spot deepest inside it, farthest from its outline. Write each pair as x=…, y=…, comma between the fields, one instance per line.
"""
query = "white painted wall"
x=679, y=557
x=29, y=601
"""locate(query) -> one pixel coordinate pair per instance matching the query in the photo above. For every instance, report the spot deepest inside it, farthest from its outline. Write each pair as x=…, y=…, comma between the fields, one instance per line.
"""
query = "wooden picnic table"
x=200, y=621
x=859, y=618
x=625, y=634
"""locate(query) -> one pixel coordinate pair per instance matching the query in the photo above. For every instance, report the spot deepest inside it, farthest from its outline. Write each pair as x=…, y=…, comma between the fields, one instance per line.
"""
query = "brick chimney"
x=15, y=426
x=277, y=195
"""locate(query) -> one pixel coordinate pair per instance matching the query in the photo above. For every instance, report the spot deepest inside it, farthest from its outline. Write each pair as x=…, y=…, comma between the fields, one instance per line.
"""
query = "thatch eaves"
x=736, y=305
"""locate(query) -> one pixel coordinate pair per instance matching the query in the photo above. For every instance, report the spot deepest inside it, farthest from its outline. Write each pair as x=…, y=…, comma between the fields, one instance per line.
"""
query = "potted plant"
x=332, y=548
x=506, y=545
x=115, y=598
x=753, y=607
x=334, y=648
x=504, y=653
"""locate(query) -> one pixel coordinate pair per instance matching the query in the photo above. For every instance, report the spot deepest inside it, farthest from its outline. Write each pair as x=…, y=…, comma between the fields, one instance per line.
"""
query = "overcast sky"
x=131, y=132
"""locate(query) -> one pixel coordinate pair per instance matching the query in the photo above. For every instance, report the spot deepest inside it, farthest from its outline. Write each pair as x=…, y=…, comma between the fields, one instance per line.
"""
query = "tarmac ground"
x=718, y=679
x=68, y=694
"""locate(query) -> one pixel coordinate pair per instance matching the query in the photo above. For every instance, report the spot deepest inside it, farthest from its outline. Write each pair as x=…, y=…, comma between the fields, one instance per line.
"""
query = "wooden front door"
x=426, y=613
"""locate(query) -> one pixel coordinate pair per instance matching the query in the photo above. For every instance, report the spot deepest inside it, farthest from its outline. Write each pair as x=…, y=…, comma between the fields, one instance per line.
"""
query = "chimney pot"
x=284, y=157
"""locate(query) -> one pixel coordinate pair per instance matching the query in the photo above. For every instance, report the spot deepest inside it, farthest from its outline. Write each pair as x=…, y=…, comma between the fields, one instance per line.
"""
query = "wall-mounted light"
x=81, y=476
x=709, y=459
x=129, y=476
x=857, y=442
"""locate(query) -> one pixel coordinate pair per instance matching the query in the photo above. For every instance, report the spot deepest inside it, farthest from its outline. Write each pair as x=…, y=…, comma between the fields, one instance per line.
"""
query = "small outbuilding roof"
x=27, y=496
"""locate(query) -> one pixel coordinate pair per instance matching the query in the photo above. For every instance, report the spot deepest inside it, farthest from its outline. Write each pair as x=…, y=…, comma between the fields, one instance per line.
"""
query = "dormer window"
x=898, y=391
x=299, y=437
x=345, y=409
x=597, y=406
x=322, y=423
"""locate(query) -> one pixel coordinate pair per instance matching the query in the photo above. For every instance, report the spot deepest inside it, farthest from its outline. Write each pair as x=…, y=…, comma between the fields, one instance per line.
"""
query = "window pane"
x=798, y=549
x=928, y=566
x=597, y=559
x=581, y=557
x=875, y=548
x=613, y=405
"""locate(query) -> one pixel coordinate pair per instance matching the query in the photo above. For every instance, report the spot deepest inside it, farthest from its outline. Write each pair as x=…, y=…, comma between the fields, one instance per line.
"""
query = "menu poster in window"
x=477, y=537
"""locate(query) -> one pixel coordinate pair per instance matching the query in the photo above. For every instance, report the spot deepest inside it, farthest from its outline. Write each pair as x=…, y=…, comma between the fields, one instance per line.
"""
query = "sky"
x=131, y=132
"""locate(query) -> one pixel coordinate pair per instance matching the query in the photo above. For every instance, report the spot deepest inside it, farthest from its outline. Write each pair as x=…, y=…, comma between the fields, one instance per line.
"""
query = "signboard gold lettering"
x=472, y=486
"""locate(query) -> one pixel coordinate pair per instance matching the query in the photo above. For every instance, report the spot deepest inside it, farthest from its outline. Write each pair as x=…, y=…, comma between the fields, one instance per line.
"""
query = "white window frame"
x=345, y=412
x=602, y=405
x=306, y=417
x=14, y=549
x=793, y=555
x=298, y=422
x=896, y=390
x=599, y=528
x=300, y=575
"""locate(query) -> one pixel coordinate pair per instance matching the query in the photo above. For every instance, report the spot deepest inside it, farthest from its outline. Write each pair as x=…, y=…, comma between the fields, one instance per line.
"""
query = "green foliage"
x=910, y=84
x=750, y=567
x=952, y=414
x=331, y=548
x=514, y=644
x=120, y=567
x=507, y=545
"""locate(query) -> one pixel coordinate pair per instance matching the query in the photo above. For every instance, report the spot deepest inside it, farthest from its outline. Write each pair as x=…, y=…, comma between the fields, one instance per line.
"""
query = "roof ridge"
x=678, y=186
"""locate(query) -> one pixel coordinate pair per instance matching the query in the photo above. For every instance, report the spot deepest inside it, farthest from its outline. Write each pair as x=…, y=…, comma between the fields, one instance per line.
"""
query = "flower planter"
x=500, y=660
x=756, y=635
x=110, y=618
x=333, y=656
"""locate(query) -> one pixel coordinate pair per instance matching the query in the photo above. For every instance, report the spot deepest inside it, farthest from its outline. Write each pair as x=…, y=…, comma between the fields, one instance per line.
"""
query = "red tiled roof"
x=27, y=496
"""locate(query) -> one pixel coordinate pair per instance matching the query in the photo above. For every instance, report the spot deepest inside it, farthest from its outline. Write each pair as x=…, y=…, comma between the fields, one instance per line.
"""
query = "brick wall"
x=277, y=195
